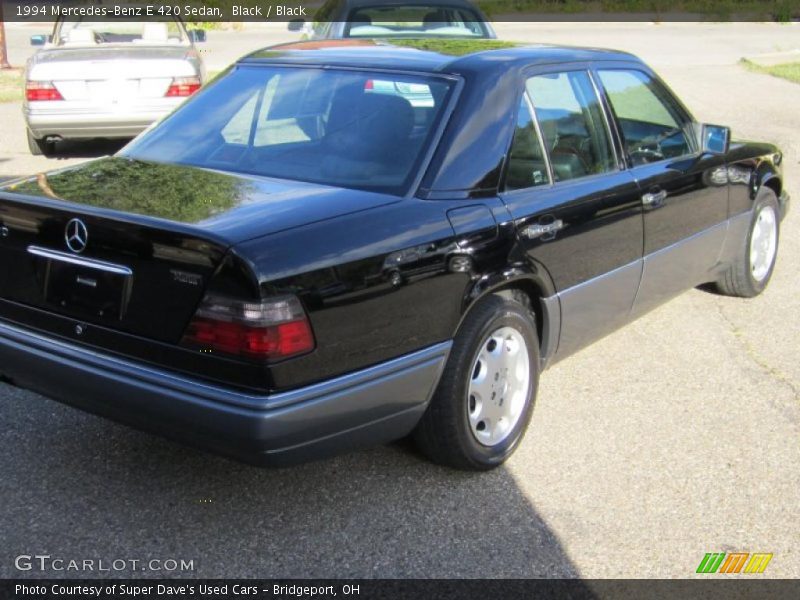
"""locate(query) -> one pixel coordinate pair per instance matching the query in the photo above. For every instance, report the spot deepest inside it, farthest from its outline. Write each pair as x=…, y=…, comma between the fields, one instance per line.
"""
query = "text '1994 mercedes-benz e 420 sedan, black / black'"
x=336, y=245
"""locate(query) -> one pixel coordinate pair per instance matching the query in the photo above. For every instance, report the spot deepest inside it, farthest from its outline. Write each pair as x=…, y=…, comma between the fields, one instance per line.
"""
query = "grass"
x=454, y=47
x=723, y=10
x=10, y=85
x=789, y=71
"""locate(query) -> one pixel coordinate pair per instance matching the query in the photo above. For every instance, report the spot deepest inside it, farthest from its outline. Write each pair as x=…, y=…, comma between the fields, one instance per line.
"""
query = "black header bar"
x=210, y=11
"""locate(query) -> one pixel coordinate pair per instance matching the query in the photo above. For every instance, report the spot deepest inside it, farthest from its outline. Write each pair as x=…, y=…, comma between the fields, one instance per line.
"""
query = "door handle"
x=654, y=199
x=538, y=230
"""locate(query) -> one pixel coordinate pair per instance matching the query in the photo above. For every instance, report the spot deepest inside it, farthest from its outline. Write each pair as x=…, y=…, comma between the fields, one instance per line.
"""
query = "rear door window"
x=572, y=123
x=527, y=166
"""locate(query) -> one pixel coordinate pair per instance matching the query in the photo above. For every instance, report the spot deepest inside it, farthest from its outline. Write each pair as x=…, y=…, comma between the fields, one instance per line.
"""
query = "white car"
x=108, y=79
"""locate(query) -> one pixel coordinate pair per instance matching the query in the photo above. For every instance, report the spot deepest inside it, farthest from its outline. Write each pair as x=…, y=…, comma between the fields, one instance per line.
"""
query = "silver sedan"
x=109, y=79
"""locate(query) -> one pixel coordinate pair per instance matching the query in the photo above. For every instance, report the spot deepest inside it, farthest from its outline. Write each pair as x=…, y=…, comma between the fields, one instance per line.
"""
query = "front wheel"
x=483, y=404
x=751, y=270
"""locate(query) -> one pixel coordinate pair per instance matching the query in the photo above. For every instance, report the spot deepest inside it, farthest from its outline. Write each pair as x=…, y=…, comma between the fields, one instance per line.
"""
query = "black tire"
x=738, y=280
x=40, y=147
x=444, y=434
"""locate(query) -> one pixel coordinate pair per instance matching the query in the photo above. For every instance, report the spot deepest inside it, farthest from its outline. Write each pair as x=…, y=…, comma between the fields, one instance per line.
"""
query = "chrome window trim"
x=550, y=176
x=615, y=135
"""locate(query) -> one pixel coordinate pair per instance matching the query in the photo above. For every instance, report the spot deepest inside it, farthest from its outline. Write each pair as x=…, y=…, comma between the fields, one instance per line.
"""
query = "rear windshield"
x=118, y=31
x=349, y=129
x=416, y=20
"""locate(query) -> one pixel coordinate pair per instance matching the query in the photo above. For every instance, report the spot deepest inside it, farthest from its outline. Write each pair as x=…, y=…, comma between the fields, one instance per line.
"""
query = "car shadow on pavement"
x=77, y=486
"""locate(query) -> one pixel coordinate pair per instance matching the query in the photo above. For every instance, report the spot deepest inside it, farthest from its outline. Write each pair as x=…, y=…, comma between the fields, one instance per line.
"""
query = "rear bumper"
x=372, y=406
x=785, y=204
x=92, y=122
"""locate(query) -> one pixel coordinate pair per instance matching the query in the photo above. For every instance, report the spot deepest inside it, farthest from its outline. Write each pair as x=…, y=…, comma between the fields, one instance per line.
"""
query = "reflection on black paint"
x=157, y=190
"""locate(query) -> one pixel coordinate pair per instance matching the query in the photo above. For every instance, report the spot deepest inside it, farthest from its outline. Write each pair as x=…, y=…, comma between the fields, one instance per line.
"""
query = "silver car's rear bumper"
x=92, y=122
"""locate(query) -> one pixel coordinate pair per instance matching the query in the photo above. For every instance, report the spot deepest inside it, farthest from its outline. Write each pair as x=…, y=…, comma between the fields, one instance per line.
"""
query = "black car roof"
x=469, y=157
x=451, y=56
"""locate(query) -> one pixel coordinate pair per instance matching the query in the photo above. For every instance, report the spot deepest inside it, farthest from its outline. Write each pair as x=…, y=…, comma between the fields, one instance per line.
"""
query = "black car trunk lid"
x=133, y=245
x=125, y=274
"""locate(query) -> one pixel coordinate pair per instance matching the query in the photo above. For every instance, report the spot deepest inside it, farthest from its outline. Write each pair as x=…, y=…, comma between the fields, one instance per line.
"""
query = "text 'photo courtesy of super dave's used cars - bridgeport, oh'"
x=336, y=244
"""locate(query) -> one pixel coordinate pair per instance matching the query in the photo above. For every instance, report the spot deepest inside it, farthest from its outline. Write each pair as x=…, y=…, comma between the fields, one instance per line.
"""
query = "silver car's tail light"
x=41, y=91
x=183, y=86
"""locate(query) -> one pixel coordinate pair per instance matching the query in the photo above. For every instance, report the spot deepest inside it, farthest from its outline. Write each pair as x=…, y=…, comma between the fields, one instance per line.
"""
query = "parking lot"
x=674, y=437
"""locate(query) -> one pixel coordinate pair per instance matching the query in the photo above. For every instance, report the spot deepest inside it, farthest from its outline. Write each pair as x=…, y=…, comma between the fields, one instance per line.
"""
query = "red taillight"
x=41, y=91
x=370, y=85
x=183, y=86
x=270, y=330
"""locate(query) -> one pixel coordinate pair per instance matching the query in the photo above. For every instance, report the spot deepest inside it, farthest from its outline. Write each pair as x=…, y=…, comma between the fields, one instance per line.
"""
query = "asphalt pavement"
x=673, y=437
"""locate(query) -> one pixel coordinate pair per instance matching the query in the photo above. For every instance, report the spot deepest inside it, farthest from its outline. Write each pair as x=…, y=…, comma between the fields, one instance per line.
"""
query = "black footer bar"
x=394, y=589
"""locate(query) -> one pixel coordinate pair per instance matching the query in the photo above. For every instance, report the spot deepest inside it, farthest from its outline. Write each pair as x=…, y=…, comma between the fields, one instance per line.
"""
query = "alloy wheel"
x=763, y=243
x=499, y=386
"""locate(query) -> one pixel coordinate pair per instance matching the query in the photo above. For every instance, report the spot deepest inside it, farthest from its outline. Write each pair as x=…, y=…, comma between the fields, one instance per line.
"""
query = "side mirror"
x=197, y=35
x=39, y=40
x=296, y=24
x=715, y=139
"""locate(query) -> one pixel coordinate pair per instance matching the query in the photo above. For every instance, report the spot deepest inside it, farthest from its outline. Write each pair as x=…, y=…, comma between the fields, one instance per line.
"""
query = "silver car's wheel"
x=499, y=387
x=763, y=243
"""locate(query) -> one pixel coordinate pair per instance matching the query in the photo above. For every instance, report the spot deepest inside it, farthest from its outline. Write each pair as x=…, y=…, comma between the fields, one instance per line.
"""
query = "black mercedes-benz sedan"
x=337, y=245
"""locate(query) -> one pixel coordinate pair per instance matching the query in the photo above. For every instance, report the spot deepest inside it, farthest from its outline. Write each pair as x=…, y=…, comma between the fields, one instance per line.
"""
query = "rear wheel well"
x=529, y=295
